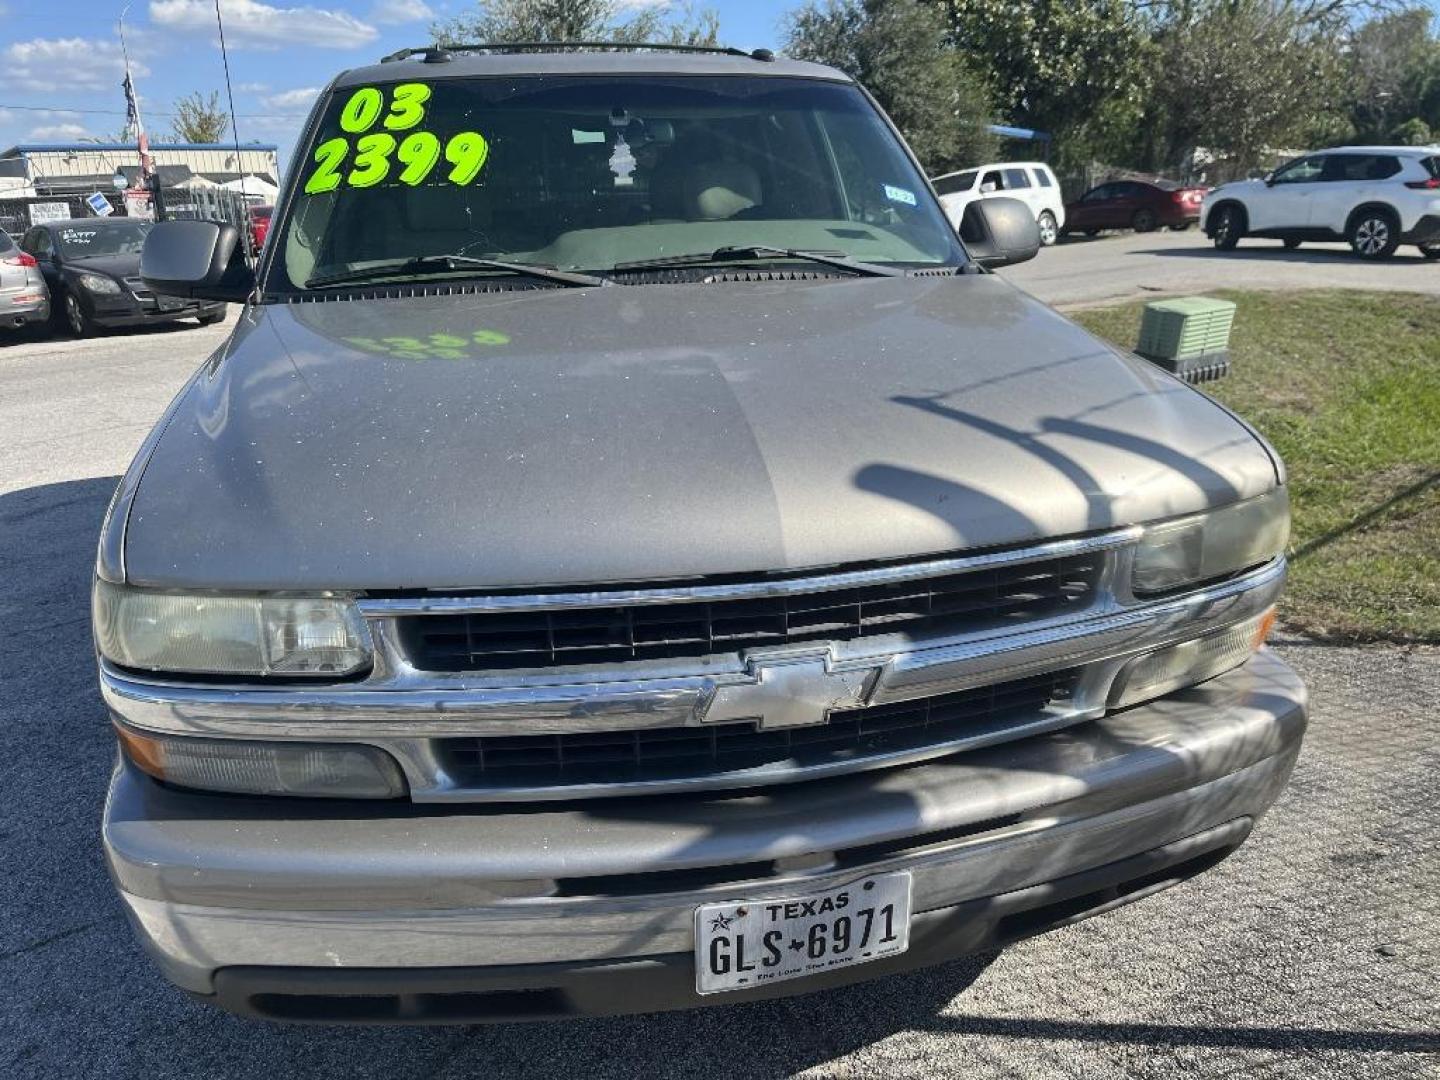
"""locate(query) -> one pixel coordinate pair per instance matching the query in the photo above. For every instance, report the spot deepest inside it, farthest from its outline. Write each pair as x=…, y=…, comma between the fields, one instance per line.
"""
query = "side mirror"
x=988, y=187
x=197, y=260
x=1000, y=231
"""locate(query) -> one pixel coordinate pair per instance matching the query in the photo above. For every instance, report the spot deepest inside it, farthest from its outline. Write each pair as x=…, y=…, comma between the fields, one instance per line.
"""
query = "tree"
x=1413, y=132
x=1064, y=68
x=198, y=119
x=1394, y=70
x=895, y=49
x=1244, y=76
x=580, y=20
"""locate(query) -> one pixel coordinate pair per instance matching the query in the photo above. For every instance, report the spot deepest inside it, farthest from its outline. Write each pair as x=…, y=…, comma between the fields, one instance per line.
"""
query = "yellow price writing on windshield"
x=417, y=152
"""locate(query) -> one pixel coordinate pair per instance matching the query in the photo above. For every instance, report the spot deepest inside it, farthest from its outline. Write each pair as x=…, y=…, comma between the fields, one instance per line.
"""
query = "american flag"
x=132, y=121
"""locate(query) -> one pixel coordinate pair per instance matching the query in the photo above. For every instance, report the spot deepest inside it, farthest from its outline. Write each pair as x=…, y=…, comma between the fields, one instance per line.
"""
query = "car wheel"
x=1049, y=232
x=1228, y=228
x=80, y=324
x=1291, y=243
x=1143, y=221
x=1374, y=234
x=1430, y=251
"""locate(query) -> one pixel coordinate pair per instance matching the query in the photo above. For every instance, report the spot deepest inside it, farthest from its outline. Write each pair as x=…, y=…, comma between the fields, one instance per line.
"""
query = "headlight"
x=229, y=635
x=1212, y=545
x=1152, y=674
x=102, y=285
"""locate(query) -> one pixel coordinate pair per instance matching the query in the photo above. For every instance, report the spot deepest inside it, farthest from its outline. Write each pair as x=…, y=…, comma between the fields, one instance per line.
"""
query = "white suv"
x=1031, y=182
x=1375, y=197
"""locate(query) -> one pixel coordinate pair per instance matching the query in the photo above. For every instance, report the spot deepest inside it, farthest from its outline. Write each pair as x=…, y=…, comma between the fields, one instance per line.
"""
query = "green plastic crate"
x=1190, y=326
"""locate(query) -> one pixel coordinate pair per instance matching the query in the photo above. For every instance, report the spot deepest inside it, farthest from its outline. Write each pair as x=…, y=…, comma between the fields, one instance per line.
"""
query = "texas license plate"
x=742, y=944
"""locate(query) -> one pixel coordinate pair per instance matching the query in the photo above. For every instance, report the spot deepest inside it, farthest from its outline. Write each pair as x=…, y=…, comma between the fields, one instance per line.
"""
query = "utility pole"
x=149, y=176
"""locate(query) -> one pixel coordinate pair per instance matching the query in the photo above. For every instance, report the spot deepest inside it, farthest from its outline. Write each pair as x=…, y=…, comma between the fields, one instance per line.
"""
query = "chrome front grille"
x=738, y=753
x=607, y=633
x=725, y=684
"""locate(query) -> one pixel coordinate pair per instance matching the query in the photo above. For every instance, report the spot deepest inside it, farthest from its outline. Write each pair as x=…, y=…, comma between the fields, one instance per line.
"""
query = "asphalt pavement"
x=1313, y=952
x=1082, y=271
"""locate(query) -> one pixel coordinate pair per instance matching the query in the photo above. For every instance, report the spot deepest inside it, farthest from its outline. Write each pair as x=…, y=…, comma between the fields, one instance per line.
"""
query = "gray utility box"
x=1189, y=337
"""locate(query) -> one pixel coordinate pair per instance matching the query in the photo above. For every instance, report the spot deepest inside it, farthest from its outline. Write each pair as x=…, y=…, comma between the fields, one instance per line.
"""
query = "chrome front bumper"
x=218, y=883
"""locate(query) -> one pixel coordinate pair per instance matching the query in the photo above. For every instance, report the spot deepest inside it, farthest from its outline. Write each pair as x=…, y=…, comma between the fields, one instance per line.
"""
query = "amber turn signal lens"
x=1267, y=623
x=148, y=754
x=266, y=767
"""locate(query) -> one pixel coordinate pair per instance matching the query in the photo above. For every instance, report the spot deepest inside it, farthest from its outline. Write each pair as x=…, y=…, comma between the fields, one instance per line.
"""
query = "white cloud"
x=66, y=63
x=252, y=87
x=395, y=12
x=265, y=26
x=62, y=132
x=292, y=99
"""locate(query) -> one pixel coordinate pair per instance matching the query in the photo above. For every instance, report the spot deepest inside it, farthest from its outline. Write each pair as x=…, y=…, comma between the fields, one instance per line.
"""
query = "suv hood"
x=547, y=436
x=1235, y=187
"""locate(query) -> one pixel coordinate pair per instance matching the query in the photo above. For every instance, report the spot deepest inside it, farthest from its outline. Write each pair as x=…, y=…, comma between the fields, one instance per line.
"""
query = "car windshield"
x=585, y=173
x=81, y=241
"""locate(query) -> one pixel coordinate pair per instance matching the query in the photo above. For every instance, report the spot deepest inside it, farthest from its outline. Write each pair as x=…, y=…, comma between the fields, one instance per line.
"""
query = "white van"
x=1031, y=182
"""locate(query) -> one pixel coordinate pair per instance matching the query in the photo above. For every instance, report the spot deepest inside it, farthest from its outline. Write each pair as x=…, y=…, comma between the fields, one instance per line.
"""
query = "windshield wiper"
x=442, y=264
x=761, y=251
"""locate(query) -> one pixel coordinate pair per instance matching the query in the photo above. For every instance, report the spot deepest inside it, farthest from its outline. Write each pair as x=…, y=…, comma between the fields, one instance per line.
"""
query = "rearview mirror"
x=197, y=260
x=1000, y=231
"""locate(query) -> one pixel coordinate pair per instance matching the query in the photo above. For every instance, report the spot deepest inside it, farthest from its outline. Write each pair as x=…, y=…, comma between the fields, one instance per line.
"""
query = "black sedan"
x=92, y=266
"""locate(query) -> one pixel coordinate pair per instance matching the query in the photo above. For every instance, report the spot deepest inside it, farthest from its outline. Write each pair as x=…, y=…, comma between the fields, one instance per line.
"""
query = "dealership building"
x=38, y=170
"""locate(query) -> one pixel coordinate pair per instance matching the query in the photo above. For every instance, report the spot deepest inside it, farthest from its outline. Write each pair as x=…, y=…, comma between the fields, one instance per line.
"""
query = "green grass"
x=1346, y=385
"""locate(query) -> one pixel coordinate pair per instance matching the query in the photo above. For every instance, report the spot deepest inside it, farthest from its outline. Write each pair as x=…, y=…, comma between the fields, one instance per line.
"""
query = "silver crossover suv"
x=24, y=297
x=631, y=553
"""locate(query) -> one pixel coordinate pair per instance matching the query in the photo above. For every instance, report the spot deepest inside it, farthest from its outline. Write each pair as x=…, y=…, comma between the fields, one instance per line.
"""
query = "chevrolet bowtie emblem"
x=785, y=692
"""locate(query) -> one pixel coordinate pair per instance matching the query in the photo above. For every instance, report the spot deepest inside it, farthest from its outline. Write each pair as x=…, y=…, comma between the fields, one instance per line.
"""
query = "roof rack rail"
x=440, y=54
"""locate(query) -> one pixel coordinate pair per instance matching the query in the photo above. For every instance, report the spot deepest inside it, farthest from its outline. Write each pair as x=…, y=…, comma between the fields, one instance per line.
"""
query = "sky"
x=61, y=64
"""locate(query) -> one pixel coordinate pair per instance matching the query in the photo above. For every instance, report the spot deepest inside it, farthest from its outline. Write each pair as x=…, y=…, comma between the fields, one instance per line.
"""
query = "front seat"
x=720, y=189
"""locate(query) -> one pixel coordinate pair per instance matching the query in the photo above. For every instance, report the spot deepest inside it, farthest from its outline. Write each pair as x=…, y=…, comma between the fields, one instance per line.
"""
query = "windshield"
x=122, y=238
x=585, y=173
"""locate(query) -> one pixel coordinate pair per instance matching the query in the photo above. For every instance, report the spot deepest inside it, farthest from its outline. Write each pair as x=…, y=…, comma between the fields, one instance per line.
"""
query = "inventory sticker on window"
x=77, y=236
x=400, y=152
x=899, y=194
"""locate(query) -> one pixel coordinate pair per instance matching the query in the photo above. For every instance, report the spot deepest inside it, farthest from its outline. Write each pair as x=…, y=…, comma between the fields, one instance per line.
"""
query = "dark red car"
x=1134, y=204
x=259, y=225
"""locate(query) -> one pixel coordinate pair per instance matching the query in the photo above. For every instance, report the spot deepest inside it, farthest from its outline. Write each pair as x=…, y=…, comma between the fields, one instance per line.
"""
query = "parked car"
x=1032, y=182
x=24, y=299
x=668, y=572
x=1134, y=204
x=1374, y=197
x=92, y=268
x=259, y=225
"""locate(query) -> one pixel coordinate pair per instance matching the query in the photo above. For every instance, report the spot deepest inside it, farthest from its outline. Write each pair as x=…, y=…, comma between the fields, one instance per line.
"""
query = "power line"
x=150, y=112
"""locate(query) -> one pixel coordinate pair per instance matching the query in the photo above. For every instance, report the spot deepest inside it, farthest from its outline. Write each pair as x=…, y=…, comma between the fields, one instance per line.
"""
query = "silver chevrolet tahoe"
x=632, y=554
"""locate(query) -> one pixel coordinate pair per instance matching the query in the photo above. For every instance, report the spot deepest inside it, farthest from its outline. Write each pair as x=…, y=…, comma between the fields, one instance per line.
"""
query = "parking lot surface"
x=1313, y=952
x=1080, y=270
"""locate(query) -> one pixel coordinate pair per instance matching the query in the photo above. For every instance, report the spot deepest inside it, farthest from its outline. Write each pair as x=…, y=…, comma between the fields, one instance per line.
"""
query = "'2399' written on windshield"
x=402, y=151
